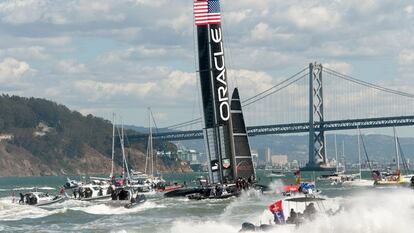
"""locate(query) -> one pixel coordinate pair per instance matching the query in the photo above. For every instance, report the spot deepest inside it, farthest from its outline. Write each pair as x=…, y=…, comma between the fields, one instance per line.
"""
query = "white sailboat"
x=356, y=180
x=148, y=180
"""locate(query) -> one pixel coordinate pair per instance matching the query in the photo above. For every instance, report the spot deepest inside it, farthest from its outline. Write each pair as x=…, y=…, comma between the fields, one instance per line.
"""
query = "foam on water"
x=13, y=212
x=375, y=211
x=102, y=209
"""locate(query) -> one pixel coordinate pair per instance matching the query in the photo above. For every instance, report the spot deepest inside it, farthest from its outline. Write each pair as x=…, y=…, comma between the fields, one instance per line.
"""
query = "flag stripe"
x=207, y=12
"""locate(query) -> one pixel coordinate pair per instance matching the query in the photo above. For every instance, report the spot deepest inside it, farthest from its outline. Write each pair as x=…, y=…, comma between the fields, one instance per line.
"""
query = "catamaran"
x=225, y=137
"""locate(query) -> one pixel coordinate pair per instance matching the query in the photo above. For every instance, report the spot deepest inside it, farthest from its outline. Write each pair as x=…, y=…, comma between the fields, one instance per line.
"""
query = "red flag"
x=275, y=207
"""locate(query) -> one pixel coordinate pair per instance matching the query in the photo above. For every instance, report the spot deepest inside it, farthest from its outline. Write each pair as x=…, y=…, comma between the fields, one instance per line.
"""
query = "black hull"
x=183, y=192
x=201, y=197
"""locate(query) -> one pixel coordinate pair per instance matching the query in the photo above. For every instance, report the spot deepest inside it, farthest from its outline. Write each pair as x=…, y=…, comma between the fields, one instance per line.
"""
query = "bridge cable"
x=367, y=84
x=248, y=101
x=284, y=81
x=244, y=104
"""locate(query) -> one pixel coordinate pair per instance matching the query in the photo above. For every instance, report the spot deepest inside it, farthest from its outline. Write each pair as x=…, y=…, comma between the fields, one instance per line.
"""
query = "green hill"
x=40, y=137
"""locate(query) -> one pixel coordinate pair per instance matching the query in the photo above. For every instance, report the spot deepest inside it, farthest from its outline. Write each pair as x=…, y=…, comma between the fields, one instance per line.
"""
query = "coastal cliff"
x=39, y=137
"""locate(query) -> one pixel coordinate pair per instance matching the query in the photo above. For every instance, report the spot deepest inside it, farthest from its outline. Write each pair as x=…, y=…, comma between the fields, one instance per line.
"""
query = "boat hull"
x=182, y=192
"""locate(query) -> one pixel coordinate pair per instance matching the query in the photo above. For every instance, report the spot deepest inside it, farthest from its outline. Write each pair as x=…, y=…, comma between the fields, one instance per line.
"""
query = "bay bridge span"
x=315, y=100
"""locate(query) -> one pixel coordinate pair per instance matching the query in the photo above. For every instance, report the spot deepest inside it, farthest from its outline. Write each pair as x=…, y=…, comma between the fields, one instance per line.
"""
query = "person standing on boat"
x=21, y=201
x=62, y=190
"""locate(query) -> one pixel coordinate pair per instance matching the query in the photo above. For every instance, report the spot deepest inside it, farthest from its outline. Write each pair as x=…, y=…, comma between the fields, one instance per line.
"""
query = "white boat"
x=92, y=192
x=356, y=179
x=40, y=199
x=147, y=181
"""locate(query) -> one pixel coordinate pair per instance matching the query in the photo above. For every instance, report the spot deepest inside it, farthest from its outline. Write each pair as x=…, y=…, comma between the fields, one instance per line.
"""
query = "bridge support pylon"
x=317, y=148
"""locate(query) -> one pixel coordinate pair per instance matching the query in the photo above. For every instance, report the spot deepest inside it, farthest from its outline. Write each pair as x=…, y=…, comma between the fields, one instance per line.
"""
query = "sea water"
x=373, y=210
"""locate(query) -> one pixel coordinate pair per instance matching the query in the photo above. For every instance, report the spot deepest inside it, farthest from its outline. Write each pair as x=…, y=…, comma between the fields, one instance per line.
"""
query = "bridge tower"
x=317, y=149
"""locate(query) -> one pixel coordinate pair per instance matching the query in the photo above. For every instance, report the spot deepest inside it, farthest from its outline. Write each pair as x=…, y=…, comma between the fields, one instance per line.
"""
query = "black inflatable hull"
x=182, y=192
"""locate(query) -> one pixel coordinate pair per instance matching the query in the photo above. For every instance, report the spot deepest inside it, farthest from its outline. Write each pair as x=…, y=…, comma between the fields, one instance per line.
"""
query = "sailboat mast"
x=359, y=153
x=150, y=142
x=217, y=130
x=396, y=149
x=336, y=153
x=343, y=154
x=113, y=145
x=124, y=161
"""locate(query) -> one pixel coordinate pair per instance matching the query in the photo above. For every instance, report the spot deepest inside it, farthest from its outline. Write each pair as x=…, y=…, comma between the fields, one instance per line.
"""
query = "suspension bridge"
x=314, y=100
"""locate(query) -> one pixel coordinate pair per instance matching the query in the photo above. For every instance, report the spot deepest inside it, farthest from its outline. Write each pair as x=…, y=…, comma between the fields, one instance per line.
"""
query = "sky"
x=122, y=56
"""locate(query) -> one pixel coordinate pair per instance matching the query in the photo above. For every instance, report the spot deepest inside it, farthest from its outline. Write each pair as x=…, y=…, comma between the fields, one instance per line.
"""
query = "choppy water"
x=366, y=210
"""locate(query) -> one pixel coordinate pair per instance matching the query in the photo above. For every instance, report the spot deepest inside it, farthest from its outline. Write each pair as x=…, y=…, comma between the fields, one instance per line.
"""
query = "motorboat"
x=93, y=192
x=302, y=209
x=40, y=199
x=126, y=197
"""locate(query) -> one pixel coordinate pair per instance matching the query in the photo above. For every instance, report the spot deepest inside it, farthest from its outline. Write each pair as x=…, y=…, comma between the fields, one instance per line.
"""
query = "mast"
x=113, y=145
x=151, y=154
x=124, y=160
x=336, y=154
x=218, y=138
x=343, y=154
x=359, y=153
x=396, y=149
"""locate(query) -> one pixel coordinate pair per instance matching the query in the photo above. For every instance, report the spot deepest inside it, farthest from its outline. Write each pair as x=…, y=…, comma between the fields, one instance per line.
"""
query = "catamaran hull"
x=183, y=192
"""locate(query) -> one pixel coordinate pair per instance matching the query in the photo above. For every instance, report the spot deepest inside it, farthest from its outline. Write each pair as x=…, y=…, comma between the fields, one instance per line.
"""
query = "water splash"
x=102, y=209
x=372, y=211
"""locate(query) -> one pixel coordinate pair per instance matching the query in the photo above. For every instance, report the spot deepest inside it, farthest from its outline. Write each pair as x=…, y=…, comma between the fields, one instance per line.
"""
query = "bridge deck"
x=291, y=128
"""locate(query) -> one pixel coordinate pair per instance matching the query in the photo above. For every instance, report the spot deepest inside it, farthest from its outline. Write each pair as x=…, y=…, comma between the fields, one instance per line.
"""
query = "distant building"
x=6, y=137
x=279, y=160
x=255, y=157
x=294, y=165
x=188, y=155
x=268, y=155
x=41, y=130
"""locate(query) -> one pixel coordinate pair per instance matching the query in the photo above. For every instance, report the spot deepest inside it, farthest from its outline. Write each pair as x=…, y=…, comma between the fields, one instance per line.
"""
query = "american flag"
x=207, y=12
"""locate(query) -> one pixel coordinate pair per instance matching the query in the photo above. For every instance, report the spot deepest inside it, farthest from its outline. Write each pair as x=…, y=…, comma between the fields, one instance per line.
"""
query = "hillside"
x=40, y=137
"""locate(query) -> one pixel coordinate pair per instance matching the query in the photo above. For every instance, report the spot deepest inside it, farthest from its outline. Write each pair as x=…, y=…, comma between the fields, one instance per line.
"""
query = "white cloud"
x=406, y=57
x=409, y=9
x=20, y=12
x=150, y=3
x=314, y=18
x=132, y=51
x=71, y=67
x=341, y=67
x=11, y=69
x=31, y=52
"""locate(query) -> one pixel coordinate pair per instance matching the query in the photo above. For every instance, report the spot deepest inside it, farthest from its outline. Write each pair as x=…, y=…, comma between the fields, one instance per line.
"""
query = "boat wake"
x=102, y=209
x=371, y=211
x=13, y=212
